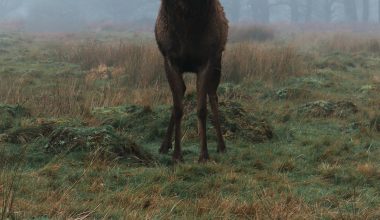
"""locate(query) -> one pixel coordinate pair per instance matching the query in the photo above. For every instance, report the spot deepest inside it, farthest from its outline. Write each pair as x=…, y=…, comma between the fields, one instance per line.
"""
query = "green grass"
x=74, y=162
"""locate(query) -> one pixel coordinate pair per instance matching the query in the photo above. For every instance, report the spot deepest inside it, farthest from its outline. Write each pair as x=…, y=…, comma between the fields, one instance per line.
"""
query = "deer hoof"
x=177, y=158
x=222, y=149
x=164, y=149
x=203, y=158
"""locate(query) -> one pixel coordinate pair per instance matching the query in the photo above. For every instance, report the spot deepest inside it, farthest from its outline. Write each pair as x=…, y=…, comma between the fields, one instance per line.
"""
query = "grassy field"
x=82, y=116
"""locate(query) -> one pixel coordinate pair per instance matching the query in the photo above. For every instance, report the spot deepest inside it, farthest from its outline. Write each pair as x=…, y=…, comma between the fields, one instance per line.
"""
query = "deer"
x=191, y=36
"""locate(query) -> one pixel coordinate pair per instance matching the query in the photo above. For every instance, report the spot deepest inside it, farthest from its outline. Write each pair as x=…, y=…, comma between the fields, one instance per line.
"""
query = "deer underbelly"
x=188, y=63
x=191, y=54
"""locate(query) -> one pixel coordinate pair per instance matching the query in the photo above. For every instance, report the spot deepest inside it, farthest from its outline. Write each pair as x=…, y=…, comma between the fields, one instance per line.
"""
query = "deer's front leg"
x=178, y=89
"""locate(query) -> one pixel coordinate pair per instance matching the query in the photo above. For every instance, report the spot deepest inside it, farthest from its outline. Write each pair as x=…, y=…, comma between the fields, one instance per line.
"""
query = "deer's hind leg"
x=202, y=114
x=213, y=97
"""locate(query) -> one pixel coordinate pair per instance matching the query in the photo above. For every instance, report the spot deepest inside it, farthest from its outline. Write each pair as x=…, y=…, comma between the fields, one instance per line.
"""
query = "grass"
x=82, y=118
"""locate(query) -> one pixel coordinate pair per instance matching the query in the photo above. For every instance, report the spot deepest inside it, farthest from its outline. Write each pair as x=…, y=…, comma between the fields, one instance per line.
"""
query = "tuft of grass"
x=10, y=116
x=328, y=171
x=286, y=166
x=368, y=170
x=375, y=123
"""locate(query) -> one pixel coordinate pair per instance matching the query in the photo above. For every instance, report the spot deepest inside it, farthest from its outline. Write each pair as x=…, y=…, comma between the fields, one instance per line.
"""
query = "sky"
x=77, y=15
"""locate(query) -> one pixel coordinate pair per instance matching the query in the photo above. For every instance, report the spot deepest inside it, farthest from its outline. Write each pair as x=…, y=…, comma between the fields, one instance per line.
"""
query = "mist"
x=77, y=15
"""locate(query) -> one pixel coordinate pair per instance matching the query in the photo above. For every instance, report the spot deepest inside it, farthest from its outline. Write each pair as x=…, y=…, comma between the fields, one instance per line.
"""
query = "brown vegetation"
x=137, y=71
x=132, y=72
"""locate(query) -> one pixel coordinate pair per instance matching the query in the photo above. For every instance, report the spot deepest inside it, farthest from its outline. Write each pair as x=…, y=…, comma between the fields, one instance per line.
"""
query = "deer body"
x=191, y=35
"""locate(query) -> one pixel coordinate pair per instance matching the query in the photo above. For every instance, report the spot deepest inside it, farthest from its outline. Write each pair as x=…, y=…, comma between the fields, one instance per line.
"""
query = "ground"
x=82, y=118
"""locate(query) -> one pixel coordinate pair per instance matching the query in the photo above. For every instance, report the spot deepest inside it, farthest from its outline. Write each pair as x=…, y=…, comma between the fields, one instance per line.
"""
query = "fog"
x=77, y=15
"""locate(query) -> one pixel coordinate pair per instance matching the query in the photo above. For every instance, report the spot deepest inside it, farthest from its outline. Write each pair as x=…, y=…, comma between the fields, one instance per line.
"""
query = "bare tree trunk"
x=234, y=7
x=327, y=11
x=350, y=11
x=378, y=11
x=309, y=10
x=260, y=10
x=263, y=6
x=366, y=10
x=294, y=12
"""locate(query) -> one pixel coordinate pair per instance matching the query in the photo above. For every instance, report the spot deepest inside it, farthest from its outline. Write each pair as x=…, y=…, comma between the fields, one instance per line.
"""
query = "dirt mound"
x=339, y=109
x=28, y=134
x=33, y=128
x=142, y=122
x=239, y=123
x=103, y=140
x=10, y=115
x=150, y=124
x=63, y=138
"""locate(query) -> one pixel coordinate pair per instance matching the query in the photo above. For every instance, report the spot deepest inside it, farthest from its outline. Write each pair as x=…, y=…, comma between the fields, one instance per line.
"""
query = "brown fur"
x=191, y=35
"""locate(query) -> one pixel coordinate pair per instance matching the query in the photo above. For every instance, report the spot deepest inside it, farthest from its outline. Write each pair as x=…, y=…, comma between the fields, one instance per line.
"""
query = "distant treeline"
x=71, y=14
x=304, y=11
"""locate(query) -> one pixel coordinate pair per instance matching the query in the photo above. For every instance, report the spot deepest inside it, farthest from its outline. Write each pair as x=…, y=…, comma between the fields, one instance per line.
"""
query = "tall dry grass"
x=119, y=72
x=73, y=97
x=352, y=43
x=337, y=41
x=267, y=62
x=142, y=64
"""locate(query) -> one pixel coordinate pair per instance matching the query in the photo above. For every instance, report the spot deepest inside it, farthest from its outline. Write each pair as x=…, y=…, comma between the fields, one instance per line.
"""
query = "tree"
x=378, y=10
x=365, y=11
x=294, y=7
x=328, y=10
x=263, y=11
x=294, y=11
x=309, y=10
x=350, y=10
x=233, y=9
x=6, y=6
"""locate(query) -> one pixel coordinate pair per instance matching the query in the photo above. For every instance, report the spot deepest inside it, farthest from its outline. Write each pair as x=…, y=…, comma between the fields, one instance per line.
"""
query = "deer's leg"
x=167, y=143
x=202, y=80
x=213, y=97
x=178, y=89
